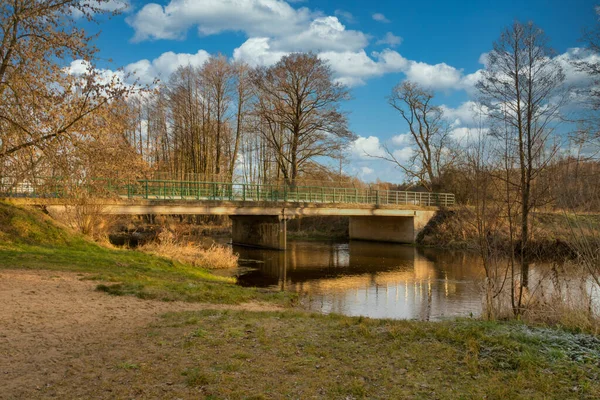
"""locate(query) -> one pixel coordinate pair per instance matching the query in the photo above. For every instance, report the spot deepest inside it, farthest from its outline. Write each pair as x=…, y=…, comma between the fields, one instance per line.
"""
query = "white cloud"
x=254, y=17
x=439, y=76
x=366, y=171
x=379, y=17
x=465, y=114
x=162, y=67
x=404, y=154
x=402, y=140
x=573, y=76
x=464, y=135
x=354, y=67
x=323, y=33
x=365, y=148
x=390, y=39
x=257, y=52
x=346, y=16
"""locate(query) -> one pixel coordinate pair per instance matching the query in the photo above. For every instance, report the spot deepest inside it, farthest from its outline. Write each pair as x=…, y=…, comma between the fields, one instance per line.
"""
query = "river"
x=378, y=280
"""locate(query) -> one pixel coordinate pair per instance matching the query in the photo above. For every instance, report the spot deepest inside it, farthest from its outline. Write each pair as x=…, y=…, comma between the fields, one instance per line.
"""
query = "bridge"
x=259, y=213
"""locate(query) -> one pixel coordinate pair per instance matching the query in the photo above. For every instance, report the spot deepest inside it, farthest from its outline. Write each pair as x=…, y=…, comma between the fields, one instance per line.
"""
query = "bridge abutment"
x=401, y=229
x=266, y=231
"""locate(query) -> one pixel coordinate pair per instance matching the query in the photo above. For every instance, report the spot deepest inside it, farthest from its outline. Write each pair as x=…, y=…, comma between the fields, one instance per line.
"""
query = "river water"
x=381, y=280
x=377, y=280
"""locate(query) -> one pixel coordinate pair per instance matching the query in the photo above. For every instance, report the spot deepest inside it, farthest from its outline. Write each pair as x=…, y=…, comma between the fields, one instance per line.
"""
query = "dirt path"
x=49, y=319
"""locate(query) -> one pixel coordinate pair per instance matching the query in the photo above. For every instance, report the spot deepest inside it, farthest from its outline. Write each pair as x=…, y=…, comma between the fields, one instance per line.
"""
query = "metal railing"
x=221, y=191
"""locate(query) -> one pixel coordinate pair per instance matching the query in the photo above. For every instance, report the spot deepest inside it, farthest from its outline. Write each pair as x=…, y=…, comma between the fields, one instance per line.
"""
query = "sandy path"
x=48, y=319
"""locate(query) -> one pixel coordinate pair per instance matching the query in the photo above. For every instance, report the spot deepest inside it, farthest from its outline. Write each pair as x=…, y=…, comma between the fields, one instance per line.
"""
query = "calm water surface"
x=377, y=280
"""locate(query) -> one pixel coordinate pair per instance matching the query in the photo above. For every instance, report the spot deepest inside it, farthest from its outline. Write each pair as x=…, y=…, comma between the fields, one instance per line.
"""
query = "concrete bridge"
x=259, y=213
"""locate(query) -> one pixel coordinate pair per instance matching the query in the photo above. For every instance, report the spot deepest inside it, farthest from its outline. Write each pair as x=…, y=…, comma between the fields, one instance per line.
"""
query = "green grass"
x=31, y=240
x=299, y=355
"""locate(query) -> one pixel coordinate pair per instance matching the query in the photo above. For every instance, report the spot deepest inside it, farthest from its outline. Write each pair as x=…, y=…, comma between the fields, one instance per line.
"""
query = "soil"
x=55, y=328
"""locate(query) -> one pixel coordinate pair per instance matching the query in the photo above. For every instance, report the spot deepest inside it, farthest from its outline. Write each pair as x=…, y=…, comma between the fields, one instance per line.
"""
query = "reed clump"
x=216, y=256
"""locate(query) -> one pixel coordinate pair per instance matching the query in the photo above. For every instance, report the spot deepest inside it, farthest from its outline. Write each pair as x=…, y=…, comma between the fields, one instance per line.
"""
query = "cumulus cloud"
x=573, y=76
x=404, y=154
x=404, y=139
x=146, y=71
x=275, y=28
x=257, y=52
x=465, y=135
x=364, y=148
x=357, y=66
x=467, y=113
x=390, y=39
x=254, y=17
x=379, y=17
x=439, y=76
x=323, y=33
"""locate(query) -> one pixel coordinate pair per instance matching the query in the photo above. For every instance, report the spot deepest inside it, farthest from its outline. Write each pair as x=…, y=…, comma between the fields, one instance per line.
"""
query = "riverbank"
x=31, y=240
x=63, y=339
x=554, y=235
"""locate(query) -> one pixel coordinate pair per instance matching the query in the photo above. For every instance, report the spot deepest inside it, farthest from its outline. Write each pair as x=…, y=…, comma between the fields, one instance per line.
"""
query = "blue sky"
x=371, y=45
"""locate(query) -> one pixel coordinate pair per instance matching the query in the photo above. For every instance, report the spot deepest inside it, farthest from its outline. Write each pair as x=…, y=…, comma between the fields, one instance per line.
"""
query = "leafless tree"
x=243, y=92
x=521, y=87
x=298, y=109
x=217, y=76
x=429, y=134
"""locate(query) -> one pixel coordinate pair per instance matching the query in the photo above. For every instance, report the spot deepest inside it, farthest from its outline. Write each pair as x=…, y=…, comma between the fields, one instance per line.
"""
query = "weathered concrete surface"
x=212, y=207
x=260, y=223
x=260, y=231
x=283, y=210
x=394, y=229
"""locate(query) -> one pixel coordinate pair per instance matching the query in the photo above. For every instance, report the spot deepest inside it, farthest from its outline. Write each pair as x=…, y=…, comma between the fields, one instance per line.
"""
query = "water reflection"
x=371, y=279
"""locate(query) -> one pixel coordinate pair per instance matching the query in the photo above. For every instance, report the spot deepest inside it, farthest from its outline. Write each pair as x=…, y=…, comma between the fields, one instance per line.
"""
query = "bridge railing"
x=204, y=191
x=190, y=190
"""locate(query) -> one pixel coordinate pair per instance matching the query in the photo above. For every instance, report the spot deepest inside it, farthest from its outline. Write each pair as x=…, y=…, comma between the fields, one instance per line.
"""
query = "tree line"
x=225, y=120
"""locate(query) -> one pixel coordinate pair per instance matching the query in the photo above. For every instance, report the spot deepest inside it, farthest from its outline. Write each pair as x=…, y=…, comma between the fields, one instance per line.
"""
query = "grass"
x=272, y=355
x=30, y=240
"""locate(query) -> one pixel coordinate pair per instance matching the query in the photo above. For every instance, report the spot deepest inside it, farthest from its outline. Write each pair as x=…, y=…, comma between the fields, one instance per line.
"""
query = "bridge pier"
x=266, y=231
x=400, y=229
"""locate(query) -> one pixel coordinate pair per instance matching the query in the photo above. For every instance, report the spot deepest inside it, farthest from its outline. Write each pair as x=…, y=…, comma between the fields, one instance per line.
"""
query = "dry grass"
x=214, y=257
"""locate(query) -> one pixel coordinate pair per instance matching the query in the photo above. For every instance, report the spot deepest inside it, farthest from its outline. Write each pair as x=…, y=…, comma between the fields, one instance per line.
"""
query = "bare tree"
x=217, y=77
x=298, y=109
x=243, y=91
x=521, y=87
x=429, y=134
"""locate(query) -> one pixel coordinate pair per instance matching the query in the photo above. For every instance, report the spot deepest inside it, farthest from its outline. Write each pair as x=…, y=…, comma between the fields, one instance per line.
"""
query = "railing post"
x=377, y=197
x=146, y=189
x=243, y=192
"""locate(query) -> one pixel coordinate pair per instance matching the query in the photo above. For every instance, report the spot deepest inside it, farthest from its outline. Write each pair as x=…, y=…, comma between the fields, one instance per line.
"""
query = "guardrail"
x=204, y=191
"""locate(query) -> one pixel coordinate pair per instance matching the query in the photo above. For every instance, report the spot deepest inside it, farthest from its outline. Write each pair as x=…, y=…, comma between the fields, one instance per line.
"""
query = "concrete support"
x=389, y=229
x=268, y=231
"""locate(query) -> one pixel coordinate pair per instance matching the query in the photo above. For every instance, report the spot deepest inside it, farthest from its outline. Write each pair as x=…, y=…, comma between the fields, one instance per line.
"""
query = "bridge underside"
x=264, y=224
